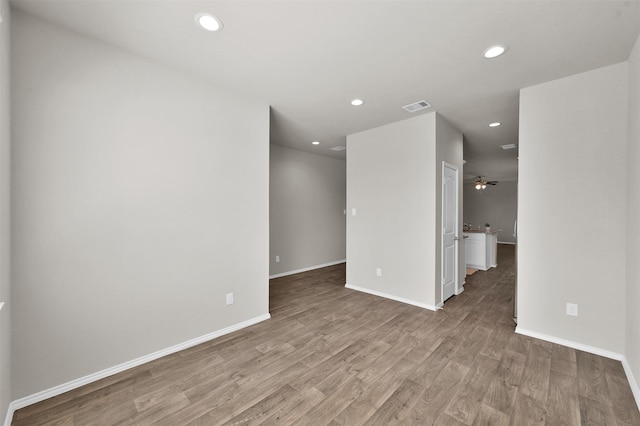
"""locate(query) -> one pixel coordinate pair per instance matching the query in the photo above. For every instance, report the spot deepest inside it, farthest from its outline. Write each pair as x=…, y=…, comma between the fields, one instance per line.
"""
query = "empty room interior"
x=319, y=212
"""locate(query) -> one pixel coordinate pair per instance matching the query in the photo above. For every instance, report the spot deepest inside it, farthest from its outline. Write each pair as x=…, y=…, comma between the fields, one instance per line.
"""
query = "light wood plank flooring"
x=334, y=356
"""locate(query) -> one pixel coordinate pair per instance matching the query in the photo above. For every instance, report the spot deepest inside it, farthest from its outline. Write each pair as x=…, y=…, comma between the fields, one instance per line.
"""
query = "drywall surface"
x=307, y=196
x=391, y=209
x=496, y=205
x=571, y=207
x=140, y=198
x=632, y=340
x=448, y=149
x=5, y=236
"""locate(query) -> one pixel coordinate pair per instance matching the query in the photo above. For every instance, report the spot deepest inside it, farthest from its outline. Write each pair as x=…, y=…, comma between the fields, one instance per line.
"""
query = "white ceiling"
x=308, y=59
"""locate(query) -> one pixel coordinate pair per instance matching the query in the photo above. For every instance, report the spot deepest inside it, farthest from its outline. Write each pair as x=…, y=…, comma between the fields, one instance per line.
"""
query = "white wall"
x=496, y=205
x=571, y=206
x=140, y=198
x=307, y=196
x=390, y=183
x=632, y=341
x=5, y=237
x=393, y=182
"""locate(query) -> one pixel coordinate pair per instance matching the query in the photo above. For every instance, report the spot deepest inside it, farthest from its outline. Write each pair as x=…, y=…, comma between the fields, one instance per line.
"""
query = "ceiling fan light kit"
x=482, y=184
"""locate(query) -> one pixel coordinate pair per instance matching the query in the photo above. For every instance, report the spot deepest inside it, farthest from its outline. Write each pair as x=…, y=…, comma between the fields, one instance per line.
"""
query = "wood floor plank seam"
x=331, y=355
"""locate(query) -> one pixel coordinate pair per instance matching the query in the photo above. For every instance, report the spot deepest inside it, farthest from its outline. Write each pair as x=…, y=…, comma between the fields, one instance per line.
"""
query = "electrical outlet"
x=379, y=272
x=572, y=309
x=229, y=298
x=277, y=259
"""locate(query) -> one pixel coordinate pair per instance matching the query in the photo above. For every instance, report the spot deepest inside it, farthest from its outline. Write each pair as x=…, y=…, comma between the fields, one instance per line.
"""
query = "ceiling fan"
x=480, y=183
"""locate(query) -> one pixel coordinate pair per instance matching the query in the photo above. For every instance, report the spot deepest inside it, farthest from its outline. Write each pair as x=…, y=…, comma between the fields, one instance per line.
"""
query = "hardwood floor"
x=334, y=356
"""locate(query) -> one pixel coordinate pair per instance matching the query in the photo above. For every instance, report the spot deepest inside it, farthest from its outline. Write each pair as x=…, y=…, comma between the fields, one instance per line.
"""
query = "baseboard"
x=632, y=380
x=307, y=269
x=592, y=350
x=74, y=384
x=570, y=344
x=478, y=267
x=392, y=297
x=9, y=417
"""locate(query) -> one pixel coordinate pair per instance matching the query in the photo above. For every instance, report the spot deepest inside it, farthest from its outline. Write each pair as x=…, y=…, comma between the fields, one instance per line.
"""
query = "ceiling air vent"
x=338, y=148
x=416, y=106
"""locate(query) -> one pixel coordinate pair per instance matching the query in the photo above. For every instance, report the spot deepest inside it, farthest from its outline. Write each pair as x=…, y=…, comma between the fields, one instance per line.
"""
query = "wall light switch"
x=379, y=272
x=229, y=298
x=353, y=211
x=572, y=309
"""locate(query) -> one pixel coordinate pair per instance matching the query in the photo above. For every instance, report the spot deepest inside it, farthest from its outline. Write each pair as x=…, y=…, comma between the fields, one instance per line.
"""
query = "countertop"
x=481, y=231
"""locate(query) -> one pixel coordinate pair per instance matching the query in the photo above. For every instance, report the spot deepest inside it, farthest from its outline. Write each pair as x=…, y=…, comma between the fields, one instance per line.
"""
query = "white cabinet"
x=480, y=250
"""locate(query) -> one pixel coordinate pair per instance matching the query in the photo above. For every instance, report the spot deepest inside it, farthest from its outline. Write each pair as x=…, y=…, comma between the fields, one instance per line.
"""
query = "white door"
x=449, y=230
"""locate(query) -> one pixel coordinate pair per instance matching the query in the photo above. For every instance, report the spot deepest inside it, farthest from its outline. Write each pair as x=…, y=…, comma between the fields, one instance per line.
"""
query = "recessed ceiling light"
x=495, y=51
x=208, y=22
x=315, y=143
x=357, y=102
x=496, y=124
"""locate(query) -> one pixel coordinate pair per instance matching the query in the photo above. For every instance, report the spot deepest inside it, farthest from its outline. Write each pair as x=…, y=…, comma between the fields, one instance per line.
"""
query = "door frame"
x=456, y=240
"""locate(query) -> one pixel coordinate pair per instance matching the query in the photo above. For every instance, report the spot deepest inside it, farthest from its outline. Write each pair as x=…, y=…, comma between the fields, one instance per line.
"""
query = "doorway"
x=449, y=250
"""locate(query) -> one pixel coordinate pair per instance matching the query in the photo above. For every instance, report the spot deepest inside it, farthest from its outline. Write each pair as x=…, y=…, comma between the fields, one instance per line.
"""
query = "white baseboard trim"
x=9, y=416
x=477, y=267
x=570, y=344
x=459, y=290
x=632, y=380
x=307, y=269
x=392, y=297
x=65, y=387
x=591, y=349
